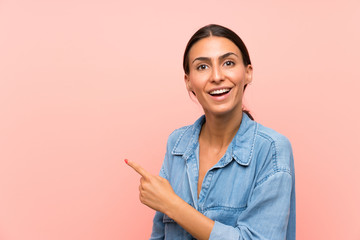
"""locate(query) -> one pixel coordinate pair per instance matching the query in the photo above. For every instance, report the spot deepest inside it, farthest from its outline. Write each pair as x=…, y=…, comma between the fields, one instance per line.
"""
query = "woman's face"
x=217, y=75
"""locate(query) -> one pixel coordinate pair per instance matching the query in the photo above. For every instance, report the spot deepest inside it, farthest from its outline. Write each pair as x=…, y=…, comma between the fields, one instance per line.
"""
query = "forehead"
x=213, y=47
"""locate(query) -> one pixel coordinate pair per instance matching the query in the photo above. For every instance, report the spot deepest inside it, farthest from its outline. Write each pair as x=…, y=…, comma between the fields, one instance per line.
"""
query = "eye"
x=202, y=67
x=229, y=63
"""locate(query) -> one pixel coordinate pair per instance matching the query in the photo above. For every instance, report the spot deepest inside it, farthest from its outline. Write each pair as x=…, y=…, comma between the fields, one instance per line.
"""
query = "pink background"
x=85, y=84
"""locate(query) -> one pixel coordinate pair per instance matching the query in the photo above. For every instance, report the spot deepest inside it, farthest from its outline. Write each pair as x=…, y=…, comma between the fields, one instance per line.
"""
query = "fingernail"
x=126, y=161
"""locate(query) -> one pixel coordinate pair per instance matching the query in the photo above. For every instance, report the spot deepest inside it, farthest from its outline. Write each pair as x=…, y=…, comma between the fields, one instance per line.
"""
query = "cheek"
x=238, y=77
x=198, y=81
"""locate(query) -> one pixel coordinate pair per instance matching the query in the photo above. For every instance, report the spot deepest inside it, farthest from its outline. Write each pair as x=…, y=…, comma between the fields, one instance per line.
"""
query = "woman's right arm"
x=157, y=193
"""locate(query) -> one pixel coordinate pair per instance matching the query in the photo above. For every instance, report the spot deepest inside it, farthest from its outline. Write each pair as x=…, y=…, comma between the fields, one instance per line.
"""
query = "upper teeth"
x=219, y=91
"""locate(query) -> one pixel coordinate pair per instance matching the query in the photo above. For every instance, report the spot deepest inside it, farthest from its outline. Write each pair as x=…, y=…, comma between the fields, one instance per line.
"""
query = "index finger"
x=137, y=168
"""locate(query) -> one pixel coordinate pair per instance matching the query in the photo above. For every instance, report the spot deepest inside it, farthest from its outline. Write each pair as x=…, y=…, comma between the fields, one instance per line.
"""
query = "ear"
x=248, y=74
x=187, y=82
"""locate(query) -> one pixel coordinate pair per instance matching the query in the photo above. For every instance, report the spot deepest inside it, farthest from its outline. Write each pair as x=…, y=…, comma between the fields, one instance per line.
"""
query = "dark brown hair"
x=218, y=31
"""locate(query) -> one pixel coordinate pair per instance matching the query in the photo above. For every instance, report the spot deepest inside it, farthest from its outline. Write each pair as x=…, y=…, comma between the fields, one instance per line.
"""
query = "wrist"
x=174, y=207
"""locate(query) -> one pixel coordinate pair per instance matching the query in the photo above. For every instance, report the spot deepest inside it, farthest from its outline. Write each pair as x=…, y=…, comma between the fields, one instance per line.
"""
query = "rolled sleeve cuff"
x=222, y=232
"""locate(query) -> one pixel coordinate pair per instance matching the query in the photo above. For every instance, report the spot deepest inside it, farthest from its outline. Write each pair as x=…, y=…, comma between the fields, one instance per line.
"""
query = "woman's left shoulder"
x=280, y=146
x=273, y=136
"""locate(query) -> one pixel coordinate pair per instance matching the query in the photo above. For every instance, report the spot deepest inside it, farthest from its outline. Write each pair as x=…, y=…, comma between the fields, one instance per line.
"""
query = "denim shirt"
x=249, y=192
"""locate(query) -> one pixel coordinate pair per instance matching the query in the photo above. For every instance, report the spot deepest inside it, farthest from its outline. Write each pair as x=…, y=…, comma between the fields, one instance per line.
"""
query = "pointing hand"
x=155, y=191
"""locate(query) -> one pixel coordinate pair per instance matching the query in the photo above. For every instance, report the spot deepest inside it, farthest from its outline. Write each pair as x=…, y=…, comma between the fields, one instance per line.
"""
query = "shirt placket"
x=207, y=182
x=204, y=190
x=193, y=176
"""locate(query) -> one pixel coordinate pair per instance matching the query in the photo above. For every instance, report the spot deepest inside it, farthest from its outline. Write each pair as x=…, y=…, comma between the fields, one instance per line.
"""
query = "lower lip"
x=222, y=97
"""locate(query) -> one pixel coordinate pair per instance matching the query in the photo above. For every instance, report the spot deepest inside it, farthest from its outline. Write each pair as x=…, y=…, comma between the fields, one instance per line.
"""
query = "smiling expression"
x=217, y=75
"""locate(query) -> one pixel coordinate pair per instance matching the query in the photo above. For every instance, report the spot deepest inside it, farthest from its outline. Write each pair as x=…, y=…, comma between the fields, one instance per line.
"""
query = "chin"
x=221, y=112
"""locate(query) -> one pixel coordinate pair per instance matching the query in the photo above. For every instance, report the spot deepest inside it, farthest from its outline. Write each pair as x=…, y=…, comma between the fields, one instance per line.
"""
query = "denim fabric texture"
x=249, y=193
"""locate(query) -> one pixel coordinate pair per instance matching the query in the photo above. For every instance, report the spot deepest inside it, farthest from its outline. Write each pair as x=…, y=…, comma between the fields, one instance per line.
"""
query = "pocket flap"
x=166, y=219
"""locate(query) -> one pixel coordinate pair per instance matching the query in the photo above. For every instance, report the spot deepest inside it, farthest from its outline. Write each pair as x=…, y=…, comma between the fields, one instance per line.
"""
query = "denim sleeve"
x=158, y=225
x=270, y=208
x=158, y=229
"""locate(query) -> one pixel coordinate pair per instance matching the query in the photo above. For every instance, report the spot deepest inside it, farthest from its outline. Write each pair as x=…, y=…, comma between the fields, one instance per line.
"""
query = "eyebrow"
x=208, y=59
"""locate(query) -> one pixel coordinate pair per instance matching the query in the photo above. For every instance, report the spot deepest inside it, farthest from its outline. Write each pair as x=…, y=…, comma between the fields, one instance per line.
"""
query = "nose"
x=217, y=74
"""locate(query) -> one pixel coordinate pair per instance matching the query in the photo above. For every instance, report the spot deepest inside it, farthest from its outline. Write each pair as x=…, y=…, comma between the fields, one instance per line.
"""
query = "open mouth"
x=219, y=92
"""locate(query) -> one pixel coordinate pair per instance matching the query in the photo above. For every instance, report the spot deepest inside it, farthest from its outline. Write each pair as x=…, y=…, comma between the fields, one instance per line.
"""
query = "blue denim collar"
x=241, y=147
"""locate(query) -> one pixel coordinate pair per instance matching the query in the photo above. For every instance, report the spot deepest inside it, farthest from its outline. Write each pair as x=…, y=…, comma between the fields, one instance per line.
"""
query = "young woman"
x=225, y=176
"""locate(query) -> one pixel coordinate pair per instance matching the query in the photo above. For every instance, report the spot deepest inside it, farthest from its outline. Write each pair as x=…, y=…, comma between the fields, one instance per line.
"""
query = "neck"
x=218, y=131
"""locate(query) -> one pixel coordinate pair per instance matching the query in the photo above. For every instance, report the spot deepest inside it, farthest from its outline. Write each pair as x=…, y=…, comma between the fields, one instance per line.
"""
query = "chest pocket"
x=173, y=230
x=226, y=193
